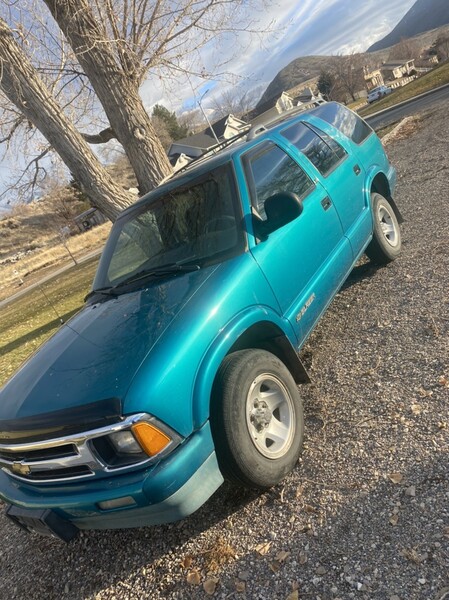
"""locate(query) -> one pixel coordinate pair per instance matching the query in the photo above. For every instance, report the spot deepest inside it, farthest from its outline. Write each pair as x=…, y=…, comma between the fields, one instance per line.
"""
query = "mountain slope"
x=299, y=70
x=307, y=67
x=423, y=16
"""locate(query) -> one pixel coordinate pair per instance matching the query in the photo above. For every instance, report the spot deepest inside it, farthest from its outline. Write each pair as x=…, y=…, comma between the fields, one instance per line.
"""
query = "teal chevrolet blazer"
x=182, y=369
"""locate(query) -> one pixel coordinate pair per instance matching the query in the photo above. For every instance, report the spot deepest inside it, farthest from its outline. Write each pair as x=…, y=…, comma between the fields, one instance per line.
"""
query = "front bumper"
x=168, y=491
x=182, y=503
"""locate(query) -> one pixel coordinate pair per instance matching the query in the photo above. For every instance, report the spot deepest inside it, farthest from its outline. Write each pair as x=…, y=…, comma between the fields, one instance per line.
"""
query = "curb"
x=48, y=277
x=405, y=102
x=392, y=134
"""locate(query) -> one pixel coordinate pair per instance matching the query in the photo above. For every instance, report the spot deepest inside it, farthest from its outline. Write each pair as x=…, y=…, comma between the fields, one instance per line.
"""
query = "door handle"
x=326, y=203
x=357, y=169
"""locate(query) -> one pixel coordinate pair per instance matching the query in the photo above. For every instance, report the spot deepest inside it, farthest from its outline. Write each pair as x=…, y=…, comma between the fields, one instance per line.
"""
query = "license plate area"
x=44, y=522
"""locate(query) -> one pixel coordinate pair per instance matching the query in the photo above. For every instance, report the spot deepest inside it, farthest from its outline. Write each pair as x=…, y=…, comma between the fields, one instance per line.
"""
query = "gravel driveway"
x=365, y=514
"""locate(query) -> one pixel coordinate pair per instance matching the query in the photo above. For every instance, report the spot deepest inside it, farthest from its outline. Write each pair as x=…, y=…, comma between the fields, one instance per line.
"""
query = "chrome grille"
x=67, y=473
x=71, y=457
x=39, y=454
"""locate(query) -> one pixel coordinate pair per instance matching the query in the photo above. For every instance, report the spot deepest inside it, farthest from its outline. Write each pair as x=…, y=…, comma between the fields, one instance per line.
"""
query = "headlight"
x=150, y=440
x=125, y=443
x=140, y=439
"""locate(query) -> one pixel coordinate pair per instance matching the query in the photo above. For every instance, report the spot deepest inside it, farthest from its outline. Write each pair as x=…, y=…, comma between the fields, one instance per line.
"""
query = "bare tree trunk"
x=23, y=87
x=117, y=91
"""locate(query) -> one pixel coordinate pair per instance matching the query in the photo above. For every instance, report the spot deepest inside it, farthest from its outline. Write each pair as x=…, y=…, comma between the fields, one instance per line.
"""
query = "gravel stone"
x=377, y=405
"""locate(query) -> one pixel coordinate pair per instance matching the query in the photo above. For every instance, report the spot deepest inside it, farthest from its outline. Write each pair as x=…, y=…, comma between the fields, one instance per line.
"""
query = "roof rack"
x=251, y=132
x=255, y=131
x=210, y=152
x=288, y=113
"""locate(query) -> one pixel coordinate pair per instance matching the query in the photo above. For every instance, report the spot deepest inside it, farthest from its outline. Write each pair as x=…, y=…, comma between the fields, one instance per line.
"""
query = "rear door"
x=306, y=260
x=342, y=175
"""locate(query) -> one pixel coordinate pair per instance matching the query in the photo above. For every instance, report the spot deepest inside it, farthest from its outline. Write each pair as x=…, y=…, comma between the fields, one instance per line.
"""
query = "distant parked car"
x=378, y=92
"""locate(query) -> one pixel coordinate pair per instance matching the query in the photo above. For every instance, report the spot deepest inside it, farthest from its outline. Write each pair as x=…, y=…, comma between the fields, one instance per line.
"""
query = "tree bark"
x=23, y=87
x=117, y=91
x=101, y=137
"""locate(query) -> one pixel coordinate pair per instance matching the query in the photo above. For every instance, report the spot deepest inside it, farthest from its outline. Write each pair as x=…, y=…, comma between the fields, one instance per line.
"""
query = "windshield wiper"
x=157, y=272
x=104, y=291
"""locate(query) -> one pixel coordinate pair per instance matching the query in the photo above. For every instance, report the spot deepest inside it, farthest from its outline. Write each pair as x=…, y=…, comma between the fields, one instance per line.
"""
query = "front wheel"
x=256, y=419
x=386, y=243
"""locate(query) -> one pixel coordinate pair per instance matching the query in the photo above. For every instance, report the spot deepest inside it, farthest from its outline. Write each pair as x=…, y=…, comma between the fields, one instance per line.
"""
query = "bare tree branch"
x=16, y=123
x=100, y=138
x=94, y=56
x=23, y=87
x=26, y=190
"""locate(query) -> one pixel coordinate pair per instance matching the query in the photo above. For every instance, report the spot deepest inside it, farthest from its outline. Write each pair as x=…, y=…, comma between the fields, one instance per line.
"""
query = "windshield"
x=198, y=223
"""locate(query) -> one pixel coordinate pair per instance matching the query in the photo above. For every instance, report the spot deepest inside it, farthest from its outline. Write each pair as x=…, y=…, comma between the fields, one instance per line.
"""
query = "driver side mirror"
x=280, y=208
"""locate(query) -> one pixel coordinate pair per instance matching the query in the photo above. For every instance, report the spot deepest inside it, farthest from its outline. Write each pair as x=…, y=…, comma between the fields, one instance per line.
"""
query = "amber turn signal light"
x=152, y=439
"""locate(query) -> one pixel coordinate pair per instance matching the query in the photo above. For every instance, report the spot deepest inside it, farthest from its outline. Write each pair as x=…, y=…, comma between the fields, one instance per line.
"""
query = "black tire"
x=386, y=243
x=256, y=419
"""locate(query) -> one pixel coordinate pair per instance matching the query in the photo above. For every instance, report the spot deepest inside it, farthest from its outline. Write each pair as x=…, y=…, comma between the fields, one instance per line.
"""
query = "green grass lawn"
x=429, y=81
x=27, y=322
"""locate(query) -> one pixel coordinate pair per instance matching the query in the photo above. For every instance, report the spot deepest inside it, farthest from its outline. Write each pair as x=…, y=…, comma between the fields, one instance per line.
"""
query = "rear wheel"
x=386, y=243
x=256, y=419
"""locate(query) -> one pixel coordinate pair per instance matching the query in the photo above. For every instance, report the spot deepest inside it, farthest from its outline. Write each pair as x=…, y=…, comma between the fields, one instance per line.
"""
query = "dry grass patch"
x=33, y=266
x=401, y=131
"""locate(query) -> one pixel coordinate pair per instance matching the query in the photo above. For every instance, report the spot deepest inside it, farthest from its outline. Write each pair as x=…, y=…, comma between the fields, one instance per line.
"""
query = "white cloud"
x=307, y=27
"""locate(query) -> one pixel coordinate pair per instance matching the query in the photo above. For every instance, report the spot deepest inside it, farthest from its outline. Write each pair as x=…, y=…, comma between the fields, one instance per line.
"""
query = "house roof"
x=261, y=109
x=87, y=213
x=201, y=140
x=306, y=93
x=219, y=128
x=396, y=63
x=265, y=117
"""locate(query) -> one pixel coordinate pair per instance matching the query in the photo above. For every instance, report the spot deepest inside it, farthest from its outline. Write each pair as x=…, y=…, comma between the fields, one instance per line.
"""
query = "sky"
x=298, y=28
x=292, y=29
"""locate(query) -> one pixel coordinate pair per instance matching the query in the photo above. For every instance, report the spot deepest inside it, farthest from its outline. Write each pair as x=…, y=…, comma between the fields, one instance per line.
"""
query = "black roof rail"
x=250, y=133
x=255, y=131
x=213, y=150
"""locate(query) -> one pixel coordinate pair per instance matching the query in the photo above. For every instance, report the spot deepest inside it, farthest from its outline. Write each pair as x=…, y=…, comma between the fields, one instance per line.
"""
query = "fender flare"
x=384, y=191
x=220, y=347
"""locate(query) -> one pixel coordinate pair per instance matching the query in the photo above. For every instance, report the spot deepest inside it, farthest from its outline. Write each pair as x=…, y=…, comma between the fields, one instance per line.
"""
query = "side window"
x=322, y=151
x=270, y=171
x=346, y=121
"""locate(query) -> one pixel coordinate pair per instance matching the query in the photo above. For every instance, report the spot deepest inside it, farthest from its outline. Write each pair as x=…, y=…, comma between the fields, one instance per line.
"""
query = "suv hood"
x=96, y=354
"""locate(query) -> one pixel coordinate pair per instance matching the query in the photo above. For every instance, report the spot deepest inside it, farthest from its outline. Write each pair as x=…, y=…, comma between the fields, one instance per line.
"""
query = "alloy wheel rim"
x=270, y=416
x=388, y=226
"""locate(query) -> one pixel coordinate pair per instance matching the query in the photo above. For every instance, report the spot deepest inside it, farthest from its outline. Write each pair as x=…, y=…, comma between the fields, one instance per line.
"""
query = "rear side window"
x=322, y=151
x=343, y=119
x=269, y=171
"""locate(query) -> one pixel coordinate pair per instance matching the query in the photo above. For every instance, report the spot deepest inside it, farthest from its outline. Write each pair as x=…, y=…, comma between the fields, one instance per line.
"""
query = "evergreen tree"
x=326, y=84
x=174, y=129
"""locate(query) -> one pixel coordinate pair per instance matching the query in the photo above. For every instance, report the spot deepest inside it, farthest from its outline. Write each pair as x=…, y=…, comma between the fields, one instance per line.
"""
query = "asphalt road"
x=408, y=107
x=48, y=277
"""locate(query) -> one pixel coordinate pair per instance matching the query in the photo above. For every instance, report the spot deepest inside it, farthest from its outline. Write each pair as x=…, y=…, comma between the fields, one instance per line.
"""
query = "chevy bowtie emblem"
x=20, y=468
